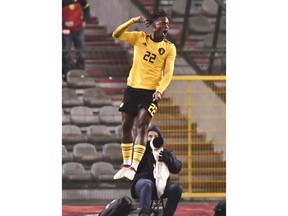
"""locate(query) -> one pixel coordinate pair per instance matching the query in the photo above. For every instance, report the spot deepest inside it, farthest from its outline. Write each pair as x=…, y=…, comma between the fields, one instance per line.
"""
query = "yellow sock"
x=137, y=155
x=127, y=153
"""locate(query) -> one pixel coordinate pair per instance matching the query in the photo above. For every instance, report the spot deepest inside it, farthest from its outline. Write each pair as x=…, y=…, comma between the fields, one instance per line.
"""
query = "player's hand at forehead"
x=139, y=19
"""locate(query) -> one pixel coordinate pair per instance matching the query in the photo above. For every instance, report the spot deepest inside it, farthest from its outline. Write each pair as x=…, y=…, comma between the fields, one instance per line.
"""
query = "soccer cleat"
x=130, y=173
x=121, y=172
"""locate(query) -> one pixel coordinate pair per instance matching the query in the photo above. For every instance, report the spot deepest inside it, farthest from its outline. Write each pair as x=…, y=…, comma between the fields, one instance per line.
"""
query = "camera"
x=157, y=142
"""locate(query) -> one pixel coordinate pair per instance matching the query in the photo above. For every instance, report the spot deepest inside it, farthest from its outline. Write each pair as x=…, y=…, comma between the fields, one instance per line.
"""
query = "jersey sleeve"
x=122, y=34
x=168, y=70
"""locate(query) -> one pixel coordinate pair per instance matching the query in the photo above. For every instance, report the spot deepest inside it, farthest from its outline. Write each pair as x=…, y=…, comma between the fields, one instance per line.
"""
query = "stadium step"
x=196, y=147
x=92, y=19
x=166, y=109
x=101, y=43
x=95, y=29
x=208, y=186
x=106, y=54
x=98, y=37
x=108, y=72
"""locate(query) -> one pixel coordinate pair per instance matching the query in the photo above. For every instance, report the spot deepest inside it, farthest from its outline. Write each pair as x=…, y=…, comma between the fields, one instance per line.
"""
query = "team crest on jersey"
x=161, y=51
x=72, y=7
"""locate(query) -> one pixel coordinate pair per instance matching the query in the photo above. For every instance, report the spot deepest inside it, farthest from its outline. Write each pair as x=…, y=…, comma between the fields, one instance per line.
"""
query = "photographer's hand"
x=164, y=157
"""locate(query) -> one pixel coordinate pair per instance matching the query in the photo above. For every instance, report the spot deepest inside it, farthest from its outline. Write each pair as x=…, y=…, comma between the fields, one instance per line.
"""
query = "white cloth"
x=160, y=172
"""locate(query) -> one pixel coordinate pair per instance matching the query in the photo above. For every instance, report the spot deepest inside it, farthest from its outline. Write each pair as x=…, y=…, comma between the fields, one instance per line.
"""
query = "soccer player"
x=150, y=75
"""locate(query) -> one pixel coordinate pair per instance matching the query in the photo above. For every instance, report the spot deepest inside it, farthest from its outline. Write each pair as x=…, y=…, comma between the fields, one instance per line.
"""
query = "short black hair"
x=155, y=15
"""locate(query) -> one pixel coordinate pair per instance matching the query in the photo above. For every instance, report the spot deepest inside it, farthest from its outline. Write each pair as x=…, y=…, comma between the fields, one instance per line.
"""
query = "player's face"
x=152, y=134
x=161, y=27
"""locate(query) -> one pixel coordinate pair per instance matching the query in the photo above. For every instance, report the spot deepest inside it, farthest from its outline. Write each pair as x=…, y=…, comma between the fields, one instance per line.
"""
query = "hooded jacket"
x=146, y=166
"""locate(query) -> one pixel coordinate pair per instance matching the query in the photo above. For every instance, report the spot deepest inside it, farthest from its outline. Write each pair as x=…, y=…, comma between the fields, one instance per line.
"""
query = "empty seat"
x=200, y=24
x=80, y=79
x=70, y=98
x=118, y=131
x=110, y=115
x=221, y=42
x=66, y=156
x=72, y=134
x=65, y=118
x=74, y=171
x=96, y=97
x=82, y=115
x=85, y=152
x=210, y=7
x=179, y=6
x=99, y=134
x=102, y=171
x=223, y=24
x=112, y=152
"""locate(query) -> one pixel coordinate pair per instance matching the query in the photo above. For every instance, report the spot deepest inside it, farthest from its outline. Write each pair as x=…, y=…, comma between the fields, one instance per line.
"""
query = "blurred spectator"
x=74, y=16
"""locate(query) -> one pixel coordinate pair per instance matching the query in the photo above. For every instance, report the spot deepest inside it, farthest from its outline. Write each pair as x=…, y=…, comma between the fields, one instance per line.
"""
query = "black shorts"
x=136, y=99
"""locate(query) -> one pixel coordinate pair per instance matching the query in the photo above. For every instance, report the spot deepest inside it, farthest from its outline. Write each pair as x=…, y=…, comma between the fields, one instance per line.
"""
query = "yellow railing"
x=192, y=116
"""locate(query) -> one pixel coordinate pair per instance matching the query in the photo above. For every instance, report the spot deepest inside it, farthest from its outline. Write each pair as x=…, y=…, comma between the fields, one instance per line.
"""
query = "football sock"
x=127, y=153
x=137, y=155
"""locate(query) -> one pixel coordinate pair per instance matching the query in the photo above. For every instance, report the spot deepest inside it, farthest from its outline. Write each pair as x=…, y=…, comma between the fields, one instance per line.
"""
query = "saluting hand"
x=139, y=19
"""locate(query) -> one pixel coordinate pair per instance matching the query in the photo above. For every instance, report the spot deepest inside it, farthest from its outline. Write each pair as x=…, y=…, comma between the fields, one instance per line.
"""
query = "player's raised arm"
x=122, y=29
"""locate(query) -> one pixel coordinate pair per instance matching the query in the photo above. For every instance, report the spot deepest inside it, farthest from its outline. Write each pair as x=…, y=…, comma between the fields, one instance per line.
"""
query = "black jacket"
x=145, y=168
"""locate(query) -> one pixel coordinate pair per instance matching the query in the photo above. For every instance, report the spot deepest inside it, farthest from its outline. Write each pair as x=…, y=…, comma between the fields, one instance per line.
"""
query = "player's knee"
x=142, y=128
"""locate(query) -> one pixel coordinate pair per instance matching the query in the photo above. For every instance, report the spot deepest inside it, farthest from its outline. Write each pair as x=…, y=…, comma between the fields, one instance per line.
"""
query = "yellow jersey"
x=153, y=62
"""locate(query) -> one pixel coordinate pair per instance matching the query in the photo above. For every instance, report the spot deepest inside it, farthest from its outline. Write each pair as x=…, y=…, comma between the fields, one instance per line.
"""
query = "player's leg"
x=129, y=111
x=126, y=144
x=144, y=119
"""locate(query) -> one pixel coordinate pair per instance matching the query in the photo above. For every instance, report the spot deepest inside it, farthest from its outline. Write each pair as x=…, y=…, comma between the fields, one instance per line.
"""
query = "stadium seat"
x=96, y=97
x=221, y=42
x=66, y=156
x=200, y=24
x=223, y=24
x=210, y=7
x=85, y=152
x=65, y=118
x=70, y=98
x=99, y=134
x=110, y=115
x=118, y=131
x=179, y=6
x=102, y=171
x=81, y=115
x=74, y=171
x=80, y=79
x=72, y=134
x=112, y=152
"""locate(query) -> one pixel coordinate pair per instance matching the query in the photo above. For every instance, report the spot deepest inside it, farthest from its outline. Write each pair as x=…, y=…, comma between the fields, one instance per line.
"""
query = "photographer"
x=152, y=177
